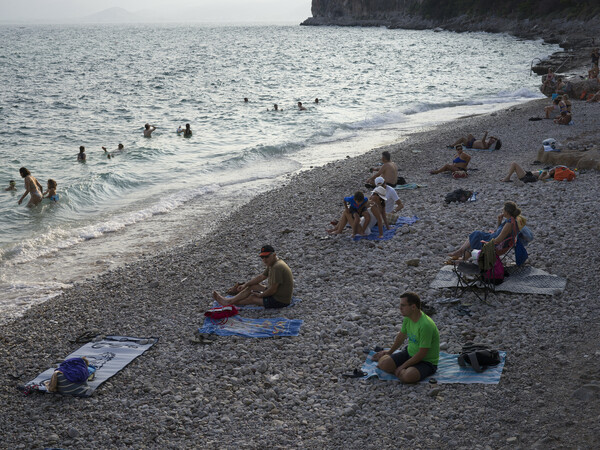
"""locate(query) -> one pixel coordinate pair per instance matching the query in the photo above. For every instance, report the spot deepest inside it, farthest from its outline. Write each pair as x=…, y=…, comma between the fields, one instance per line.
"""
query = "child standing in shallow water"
x=51, y=192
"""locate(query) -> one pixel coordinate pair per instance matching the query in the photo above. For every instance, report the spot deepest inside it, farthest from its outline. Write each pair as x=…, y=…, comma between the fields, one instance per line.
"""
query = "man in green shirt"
x=420, y=358
x=278, y=292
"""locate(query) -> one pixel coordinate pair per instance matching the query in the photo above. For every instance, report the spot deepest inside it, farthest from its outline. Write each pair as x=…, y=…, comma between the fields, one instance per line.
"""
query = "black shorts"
x=270, y=302
x=425, y=368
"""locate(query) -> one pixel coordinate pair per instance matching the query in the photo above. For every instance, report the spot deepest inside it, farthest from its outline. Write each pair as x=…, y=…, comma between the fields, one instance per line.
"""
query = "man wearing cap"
x=388, y=170
x=393, y=205
x=278, y=292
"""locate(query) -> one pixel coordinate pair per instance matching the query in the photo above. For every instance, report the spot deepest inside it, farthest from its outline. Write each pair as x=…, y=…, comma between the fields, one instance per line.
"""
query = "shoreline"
x=102, y=250
x=350, y=297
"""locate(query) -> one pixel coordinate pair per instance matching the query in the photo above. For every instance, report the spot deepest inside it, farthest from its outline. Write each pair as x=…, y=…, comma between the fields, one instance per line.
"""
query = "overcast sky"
x=171, y=10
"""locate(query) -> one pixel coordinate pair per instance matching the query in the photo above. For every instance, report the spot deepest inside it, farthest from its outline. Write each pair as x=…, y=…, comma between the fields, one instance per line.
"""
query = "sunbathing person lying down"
x=527, y=177
x=480, y=144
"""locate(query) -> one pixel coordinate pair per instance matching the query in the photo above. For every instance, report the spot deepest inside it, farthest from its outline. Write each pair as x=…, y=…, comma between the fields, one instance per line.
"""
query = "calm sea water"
x=66, y=86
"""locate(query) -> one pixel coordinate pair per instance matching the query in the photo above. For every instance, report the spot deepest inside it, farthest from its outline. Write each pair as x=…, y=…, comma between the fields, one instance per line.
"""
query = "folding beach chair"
x=469, y=275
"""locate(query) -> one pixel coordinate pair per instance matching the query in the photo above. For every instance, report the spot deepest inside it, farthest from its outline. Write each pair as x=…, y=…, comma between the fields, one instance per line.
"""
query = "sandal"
x=356, y=374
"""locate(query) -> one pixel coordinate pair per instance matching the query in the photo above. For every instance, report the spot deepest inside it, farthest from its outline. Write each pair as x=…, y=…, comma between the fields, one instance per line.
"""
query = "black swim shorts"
x=425, y=368
x=270, y=302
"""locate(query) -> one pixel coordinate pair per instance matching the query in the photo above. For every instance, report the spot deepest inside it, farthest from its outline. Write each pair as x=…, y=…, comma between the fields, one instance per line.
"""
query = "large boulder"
x=588, y=159
x=574, y=88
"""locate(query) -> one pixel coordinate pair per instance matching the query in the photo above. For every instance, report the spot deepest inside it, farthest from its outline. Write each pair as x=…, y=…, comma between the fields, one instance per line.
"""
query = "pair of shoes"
x=357, y=373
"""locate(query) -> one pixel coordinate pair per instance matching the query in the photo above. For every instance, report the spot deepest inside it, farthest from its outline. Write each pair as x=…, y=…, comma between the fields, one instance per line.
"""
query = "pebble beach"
x=289, y=392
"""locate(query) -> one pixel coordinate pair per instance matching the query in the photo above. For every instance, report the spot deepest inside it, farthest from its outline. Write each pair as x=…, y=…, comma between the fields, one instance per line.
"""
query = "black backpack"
x=478, y=356
x=459, y=195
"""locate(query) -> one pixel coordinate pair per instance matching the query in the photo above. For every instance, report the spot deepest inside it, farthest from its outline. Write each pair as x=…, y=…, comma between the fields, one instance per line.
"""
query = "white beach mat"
x=521, y=280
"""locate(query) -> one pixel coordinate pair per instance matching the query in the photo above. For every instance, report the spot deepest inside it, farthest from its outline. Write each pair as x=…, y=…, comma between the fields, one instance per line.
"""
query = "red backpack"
x=221, y=312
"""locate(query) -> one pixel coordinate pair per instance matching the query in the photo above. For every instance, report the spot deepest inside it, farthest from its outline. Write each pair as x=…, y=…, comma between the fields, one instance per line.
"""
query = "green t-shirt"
x=423, y=334
x=280, y=274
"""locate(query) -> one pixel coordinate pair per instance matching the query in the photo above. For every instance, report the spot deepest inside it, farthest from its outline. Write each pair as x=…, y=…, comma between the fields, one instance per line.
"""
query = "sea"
x=64, y=86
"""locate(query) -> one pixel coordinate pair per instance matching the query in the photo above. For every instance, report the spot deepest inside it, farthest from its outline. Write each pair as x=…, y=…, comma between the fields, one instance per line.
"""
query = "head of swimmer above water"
x=120, y=147
x=81, y=149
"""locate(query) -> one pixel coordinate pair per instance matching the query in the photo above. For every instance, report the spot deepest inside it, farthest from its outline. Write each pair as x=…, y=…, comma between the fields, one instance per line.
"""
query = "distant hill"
x=113, y=15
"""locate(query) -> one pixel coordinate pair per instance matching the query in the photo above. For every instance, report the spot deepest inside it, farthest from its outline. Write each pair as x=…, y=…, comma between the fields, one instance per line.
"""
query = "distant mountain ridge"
x=112, y=15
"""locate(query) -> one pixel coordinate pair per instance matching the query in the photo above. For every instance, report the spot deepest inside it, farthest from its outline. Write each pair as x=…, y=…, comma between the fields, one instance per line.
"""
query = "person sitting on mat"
x=393, y=204
x=510, y=223
x=70, y=378
x=388, y=170
x=278, y=292
x=564, y=118
x=479, y=144
x=375, y=214
x=527, y=177
x=459, y=163
x=420, y=358
x=354, y=208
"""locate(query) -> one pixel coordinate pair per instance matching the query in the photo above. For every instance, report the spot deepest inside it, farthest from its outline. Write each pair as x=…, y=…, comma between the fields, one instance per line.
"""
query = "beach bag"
x=563, y=174
x=401, y=181
x=496, y=274
x=478, y=356
x=222, y=312
x=459, y=174
x=526, y=234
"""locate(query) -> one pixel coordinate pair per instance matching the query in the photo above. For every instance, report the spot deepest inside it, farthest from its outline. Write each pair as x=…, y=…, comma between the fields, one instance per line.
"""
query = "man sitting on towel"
x=420, y=359
x=388, y=170
x=393, y=204
x=277, y=294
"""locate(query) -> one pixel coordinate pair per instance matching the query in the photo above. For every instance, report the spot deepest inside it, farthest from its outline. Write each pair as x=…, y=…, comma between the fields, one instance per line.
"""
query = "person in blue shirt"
x=355, y=207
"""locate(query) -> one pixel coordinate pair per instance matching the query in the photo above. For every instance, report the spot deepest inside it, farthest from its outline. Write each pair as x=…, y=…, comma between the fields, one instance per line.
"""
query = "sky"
x=294, y=11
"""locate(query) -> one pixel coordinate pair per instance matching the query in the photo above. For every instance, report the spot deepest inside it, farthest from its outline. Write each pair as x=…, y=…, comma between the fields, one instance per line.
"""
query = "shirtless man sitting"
x=388, y=170
x=278, y=293
x=480, y=144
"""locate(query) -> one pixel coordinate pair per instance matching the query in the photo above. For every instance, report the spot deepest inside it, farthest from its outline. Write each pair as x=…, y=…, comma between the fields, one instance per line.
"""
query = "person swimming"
x=12, y=186
x=51, y=192
x=300, y=107
x=120, y=149
x=148, y=129
x=81, y=155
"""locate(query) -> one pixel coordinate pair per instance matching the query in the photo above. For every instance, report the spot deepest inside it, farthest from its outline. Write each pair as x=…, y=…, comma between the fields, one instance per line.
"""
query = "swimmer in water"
x=148, y=129
x=316, y=100
x=32, y=187
x=245, y=99
x=275, y=108
x=12, y=186
x=188, y=131
x=300, y=107
x=51, y=192
x=120, y=149
x=81, y=155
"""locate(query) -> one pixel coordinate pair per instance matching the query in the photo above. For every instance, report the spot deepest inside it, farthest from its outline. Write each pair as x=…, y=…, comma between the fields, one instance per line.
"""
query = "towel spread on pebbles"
x=448, y=371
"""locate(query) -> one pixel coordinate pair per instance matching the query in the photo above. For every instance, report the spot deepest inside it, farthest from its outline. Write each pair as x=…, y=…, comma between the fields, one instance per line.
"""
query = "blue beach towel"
x=388, y=234
x=295, y=300
x=448, y=371
x=253, y=328
x=108, y=356
x=491, y=149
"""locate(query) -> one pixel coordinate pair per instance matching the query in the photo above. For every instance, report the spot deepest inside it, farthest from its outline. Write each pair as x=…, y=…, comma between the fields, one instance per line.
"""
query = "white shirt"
x=392, y=198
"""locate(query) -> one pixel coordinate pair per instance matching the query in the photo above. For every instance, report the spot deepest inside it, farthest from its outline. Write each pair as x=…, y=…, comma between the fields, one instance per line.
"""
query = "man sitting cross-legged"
x=277, y=294
x=419, y=360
